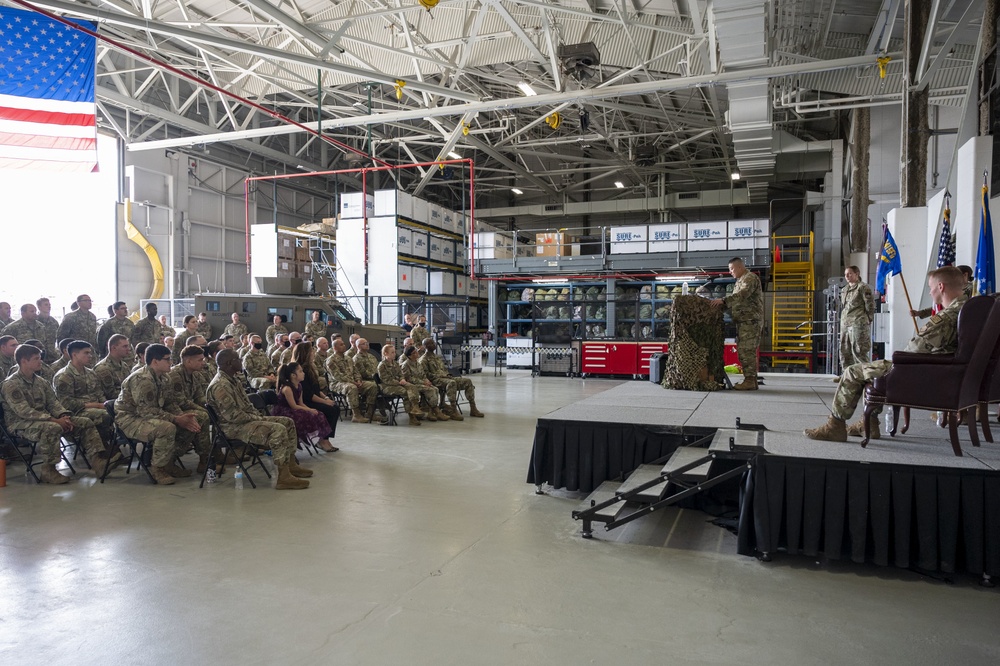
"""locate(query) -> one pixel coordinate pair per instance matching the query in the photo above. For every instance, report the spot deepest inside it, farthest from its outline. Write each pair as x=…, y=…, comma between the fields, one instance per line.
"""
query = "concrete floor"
x=425, y=546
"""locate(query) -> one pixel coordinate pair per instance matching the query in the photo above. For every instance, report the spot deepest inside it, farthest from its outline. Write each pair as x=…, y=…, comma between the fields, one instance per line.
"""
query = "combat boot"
x=356, y=416
x=428, y=414
x=176, y=471
x=49, y=474
x=100, y=464
x=834, y=430
x=414, y=419
x=474, y=411
x=453, y=413
x=857, y=429
x=162, y=476
x=441, y=415
x=297, y=470
x=288, y=481
x=748, y=384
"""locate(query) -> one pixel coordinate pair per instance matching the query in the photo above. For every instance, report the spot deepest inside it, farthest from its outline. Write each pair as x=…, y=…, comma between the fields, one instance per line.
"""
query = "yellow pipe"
x=154, y=258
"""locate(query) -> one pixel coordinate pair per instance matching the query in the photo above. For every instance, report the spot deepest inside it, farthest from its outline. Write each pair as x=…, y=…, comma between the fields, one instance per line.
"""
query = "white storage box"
x=449, y=220
x=419, y=279
x=436, y=215
x=707, y=236
x=393, y=203
x=461, y=285
x=404, y=240
x=440, y=283
x=629, y=240
x=421, y=244
x=749, y=234
x=420, y=213
x=405, y=278
x=448, y=251
x=461, y=255
x=351, y=205
x=666, y=237
x=436, y=248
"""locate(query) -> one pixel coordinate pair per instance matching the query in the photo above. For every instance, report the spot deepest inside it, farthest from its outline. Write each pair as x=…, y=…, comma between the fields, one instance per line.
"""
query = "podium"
x=695, y=361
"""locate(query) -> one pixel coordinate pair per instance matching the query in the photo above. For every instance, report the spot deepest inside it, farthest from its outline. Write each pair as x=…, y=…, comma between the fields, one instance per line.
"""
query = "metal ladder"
x=687, y=472
x=323, y=252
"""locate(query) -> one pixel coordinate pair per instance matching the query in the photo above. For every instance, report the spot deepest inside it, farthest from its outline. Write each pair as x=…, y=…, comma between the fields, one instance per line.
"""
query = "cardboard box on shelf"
x=305, y=271
x=302, y=253
x=286, y=247
x=287, y=269
x=436, y=249
x=440, y=283
x=630, y=240
x=421, y=244
x=555, y=244
x=405, y=277
x=404, y=240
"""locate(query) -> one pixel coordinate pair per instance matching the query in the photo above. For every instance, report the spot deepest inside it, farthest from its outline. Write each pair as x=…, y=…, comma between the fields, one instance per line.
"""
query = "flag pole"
x=908, y=304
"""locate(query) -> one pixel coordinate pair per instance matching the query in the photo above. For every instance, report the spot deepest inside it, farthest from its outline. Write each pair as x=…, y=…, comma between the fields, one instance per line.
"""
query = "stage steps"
x=686, y=472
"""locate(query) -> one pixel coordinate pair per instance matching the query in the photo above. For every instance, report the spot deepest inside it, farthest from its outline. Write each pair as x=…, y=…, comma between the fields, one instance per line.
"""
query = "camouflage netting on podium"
x=694, y=362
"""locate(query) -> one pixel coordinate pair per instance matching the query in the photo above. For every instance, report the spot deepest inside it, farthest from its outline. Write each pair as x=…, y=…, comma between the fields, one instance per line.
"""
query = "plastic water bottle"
x=210, y=476
x=238, y=476
x=888, y=420
x=685, y=289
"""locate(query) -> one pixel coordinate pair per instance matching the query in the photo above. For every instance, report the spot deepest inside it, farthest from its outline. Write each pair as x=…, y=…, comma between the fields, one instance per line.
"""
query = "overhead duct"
x=741, y=29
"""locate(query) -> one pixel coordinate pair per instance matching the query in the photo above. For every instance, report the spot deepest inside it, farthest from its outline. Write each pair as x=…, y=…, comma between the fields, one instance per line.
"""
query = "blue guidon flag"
x=888, y=262
x=985, y=264
x=47, y=106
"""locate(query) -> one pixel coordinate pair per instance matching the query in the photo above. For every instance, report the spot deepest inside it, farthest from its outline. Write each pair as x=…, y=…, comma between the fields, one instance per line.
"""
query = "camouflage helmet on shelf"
x=645, y=311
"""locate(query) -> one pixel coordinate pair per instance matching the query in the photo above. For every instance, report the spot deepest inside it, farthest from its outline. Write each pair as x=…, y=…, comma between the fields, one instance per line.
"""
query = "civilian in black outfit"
x=312, y=396
x=407, y=323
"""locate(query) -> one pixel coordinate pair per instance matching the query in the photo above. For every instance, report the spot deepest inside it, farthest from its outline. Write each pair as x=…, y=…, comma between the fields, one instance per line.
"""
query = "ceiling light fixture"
x=735, y=175
x=620, y=185
x=455, y=156
x=526, y=88
x=516, y=191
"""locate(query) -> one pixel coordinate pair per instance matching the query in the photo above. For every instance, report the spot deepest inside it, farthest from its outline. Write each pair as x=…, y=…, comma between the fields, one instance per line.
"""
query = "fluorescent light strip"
x=524, y=87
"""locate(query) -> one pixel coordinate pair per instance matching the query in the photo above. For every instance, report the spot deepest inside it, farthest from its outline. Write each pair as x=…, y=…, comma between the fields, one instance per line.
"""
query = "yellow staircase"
x=793, y=284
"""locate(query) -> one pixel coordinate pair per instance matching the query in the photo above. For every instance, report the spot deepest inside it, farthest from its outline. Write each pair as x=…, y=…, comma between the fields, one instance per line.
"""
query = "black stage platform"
x=906, y=501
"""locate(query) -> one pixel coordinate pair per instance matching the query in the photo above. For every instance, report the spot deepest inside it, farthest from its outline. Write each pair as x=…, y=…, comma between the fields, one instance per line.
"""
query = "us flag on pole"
x=47, y=106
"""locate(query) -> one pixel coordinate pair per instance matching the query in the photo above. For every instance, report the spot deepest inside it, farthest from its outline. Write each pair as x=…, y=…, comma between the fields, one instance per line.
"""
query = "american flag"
x=47, y=106
x=946, y=247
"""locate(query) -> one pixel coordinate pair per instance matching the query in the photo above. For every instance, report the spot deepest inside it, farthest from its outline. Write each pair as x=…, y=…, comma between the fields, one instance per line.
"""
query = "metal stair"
x=793, y=283
x=688, y=471
x=322, y=251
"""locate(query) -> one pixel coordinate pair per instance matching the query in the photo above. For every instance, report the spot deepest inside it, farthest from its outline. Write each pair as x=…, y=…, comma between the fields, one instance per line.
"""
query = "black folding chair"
x=237, y=447
x=392, y=404
x=141, y=459
x=15, y=443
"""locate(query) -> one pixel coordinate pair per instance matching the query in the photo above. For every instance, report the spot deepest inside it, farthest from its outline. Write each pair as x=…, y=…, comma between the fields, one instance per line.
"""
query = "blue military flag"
x=888, y=262
x=985, y=262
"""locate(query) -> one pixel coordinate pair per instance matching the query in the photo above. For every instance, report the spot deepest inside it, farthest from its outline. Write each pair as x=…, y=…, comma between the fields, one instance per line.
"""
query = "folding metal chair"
x=141, y=459
x=16, y=443
x=234, y=446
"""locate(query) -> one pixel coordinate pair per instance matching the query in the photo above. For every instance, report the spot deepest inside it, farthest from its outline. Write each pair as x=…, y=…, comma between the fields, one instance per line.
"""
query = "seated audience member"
x=50, y=337
x=46, y=371
x=149, y=329
x=112, y=370
x=240, y=421
x=204, y=328
x=236, y=329
x=33, y=411
x=257, y=367
x=367, y=366
x=440, y=377
x=5, y=318
x=181, y=339
x=63, y=359
x=140, y=356
x=189, y=383
x=27, y=327
x=395, y=385
x=313, y=396
x=79, y=390
x=166, y=330
x=147, y=411
x=8, y=349
x=276, y=328
x=316, y=327
x=310, y=424
x=321, y=352
x=414, y=374
x=118, y=324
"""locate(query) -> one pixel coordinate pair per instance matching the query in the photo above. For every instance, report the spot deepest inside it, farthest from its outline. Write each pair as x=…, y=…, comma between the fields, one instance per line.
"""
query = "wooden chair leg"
x=952, y=418
x=895, y=419
x=906, y=421
x=867, y=417
x=984, y=421
x=970, y=418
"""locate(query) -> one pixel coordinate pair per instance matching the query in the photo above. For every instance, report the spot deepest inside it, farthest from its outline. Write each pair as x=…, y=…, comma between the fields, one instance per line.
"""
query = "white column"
x=974, y=157
x=908, y=227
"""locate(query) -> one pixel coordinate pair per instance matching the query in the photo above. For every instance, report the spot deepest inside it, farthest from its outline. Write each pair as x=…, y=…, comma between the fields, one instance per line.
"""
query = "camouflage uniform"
x=79, y=325
x=696, y=342
x=22, y=329
x=113, y=326
x=110, y=375
x=180, y=342
x=189, y=394
x=343, y=379
x=746, y=304
x=205, y=330
x=240, y=421
x=50, y=335
x=272, y=332
x=5, y=322
x=350, y=353
x=418, y=334
x=857, y=311
x=367, y=365
x=29, y=406
x=145, y=411
x=7, y=366
x=938, y=336
x=317, y=329
x=441, y=378
x=236, y=330
x=75, y=388
x=390, y=374
x=414, y=373
x=147, y=330
x=319, y=362
x=275, y=356
x=257, y=367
